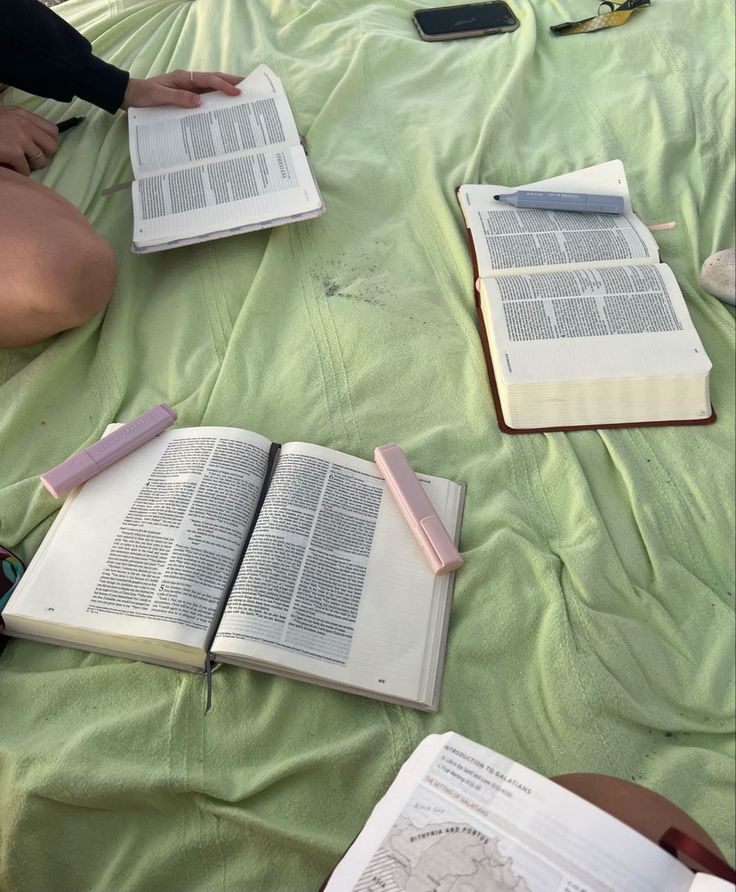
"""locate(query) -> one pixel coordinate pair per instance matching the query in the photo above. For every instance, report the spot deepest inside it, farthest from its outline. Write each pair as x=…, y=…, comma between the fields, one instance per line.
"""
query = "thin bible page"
x=334, y=584
x=219, y=195
x=591, y=324
x=170, y=138
x=704, y=882
x=510, y=241
x=147, y=548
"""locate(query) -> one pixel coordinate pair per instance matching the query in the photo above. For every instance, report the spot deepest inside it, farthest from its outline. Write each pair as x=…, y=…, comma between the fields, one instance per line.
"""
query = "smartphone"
x=468, y=20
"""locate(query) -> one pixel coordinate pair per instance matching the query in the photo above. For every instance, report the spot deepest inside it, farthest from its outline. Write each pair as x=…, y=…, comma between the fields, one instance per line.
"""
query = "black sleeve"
x=42, y=54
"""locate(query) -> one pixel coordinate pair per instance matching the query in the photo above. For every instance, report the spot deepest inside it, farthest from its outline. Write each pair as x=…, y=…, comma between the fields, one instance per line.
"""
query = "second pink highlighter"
x=428, y=529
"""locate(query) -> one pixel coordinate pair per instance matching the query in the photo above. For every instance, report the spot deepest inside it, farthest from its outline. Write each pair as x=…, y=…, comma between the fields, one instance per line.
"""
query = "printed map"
x=446, y=857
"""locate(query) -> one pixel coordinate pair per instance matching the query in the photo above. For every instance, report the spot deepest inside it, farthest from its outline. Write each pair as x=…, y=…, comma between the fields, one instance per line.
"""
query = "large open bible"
x=232, y=165
x=581, y=325
x=216, y=542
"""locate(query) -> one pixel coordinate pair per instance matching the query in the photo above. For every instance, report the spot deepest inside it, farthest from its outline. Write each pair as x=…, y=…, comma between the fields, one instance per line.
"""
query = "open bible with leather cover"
x=581, y=325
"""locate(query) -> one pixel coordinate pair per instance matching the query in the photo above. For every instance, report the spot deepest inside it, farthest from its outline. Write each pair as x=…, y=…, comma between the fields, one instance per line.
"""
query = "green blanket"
x=593, y=623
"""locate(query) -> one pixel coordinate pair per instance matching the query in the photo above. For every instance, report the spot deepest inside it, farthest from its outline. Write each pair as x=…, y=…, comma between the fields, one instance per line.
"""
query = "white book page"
x=214, y=196
x=593, y=323
x=260, y=117
x=508, y=240
x=333, y=584
x=704, y=882
x=460, y=811
x=148, y=546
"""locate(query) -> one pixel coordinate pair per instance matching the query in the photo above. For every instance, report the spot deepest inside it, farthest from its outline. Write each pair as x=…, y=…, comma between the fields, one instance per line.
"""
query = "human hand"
x=178, y=88
x=27, y=140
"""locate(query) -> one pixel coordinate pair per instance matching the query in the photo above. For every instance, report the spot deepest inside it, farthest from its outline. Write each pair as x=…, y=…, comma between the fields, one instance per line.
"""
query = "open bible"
x=216, y=542
x=581, y=325
x=232, y=165
x=459, y=815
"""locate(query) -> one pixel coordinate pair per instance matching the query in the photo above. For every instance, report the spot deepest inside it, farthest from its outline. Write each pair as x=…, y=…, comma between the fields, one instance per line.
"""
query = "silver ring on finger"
x=191, y=77
x=32, y=158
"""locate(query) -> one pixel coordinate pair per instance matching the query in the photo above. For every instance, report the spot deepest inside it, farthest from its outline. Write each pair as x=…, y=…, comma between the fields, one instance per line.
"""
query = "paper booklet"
x=460, y=816
x=293, y=560
x=581, y=325
x=232, y=165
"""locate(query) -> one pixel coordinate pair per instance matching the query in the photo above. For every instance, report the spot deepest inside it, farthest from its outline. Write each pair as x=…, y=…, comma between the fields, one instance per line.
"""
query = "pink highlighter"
x=105, y=452
x=428, y=529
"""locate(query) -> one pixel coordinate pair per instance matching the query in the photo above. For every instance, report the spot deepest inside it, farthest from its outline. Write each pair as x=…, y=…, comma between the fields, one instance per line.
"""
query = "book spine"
x=273, y=454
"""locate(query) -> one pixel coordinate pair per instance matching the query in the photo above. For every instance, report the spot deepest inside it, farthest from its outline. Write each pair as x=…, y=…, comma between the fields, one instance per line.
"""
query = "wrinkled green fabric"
x=593, y=623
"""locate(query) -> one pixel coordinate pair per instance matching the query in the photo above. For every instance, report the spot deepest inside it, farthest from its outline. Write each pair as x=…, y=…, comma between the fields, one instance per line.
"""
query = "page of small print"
x=233, y=162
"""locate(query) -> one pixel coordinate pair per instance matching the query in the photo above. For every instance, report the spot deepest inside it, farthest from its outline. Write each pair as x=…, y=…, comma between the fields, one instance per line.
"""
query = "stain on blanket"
x=359, y=279
x=354, y=274
x=332, y=289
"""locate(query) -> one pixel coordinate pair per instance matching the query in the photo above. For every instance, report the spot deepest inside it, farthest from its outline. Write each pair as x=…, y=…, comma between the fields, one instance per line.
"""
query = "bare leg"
x=56, y=272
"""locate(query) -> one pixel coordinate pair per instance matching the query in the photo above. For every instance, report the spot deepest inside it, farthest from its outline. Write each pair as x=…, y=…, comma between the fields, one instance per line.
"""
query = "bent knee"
x=57, y=272
x=88, y=279
x=66, y=281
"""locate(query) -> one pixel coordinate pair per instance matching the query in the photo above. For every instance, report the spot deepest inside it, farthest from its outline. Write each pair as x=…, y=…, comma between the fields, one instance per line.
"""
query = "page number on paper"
x=382, y=681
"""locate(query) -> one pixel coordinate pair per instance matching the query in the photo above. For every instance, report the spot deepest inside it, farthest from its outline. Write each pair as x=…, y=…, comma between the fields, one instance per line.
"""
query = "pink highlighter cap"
x=428, y=529
x=105, y=452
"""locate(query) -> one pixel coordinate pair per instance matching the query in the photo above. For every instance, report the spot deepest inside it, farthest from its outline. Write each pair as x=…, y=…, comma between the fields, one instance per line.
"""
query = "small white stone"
x=718, y=276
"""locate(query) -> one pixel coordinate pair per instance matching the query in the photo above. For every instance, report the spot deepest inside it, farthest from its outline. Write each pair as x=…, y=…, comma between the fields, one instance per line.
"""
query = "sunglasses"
x=618, y=14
